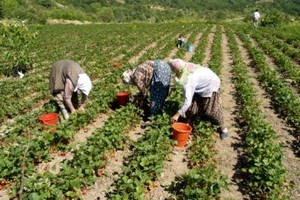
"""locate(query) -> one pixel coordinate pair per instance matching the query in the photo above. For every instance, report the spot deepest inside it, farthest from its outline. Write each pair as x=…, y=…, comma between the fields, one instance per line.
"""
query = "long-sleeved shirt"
x=256, y=15
x=68, y=92
x=202, y=81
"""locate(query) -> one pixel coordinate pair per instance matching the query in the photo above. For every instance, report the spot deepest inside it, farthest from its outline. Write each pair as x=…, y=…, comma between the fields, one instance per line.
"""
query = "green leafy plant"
x=15, y=43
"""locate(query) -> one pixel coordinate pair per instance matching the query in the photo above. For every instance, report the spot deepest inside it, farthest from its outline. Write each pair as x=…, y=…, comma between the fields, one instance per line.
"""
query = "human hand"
x=175, y=118
x=81, y=108
x=72, y=111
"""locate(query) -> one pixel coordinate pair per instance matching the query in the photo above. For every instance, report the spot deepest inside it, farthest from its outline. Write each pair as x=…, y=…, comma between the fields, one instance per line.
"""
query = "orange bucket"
x=181, y=132
x=117, y=64
x=122, y=98
x=50, y=120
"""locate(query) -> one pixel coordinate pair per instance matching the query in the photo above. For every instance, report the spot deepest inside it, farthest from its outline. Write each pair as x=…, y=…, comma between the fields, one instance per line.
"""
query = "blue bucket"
x=190, y=48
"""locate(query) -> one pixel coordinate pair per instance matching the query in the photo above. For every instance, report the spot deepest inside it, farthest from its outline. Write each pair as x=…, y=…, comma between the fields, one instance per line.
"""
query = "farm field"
x=103, y=153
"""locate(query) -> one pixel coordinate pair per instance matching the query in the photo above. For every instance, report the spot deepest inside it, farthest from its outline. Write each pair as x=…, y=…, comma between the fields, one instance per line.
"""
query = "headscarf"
x=126, y=76
x=84, y=84
x=182, y=69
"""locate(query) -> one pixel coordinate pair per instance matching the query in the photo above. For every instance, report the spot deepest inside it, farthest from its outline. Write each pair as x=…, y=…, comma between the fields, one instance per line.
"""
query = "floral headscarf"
x=182, y=69
x=126, y=76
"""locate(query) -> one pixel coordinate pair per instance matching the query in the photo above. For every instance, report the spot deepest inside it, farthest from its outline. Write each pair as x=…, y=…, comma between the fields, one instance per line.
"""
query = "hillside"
x=140, y=10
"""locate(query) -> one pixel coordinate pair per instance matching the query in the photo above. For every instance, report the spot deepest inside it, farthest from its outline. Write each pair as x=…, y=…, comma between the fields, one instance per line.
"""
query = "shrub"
x=275, y=18
x=15, y=43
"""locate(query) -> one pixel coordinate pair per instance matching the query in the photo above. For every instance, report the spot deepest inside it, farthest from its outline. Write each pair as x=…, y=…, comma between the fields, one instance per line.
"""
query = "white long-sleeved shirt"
x=256, y=15
x=68, y=92
x=204, y=82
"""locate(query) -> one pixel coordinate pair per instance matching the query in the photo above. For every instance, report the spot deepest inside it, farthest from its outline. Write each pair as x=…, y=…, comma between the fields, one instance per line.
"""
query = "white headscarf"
x=84, y=84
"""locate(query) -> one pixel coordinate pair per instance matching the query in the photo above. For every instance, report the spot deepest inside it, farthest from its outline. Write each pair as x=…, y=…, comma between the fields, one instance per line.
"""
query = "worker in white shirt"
x=201, y=93
x=256, y=17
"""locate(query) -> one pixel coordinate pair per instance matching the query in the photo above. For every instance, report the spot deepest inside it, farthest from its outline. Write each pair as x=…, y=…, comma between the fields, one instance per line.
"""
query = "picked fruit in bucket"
x=122, y=98
x=181, y=132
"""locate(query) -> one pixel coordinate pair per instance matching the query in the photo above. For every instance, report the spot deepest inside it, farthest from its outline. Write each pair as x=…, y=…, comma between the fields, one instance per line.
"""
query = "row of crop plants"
x=28, y=132
x=288, y=49
x=198, y=55
x=88, y=159
x=204, y=180
x=71, y=192
x=216, y=54
x=284, y=99
x=289, y=34
x=150, y=152
x=285, y=64
x=43, y=141
x=263, y=170
x=34, y=84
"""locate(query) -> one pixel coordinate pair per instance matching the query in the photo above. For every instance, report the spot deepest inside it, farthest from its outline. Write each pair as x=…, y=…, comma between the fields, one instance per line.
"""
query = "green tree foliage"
x=8, y=7
x=45, y=3
x=275, y=18
x=14, y=44
x=139, y=10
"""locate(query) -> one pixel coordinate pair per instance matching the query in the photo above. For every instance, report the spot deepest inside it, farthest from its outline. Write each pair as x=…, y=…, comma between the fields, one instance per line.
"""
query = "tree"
x=275, y=18
x=8, y=8
x=15, y=44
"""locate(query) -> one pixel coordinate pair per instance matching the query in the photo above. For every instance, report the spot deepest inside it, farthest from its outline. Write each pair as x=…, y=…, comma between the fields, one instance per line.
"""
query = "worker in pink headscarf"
x=201, y=93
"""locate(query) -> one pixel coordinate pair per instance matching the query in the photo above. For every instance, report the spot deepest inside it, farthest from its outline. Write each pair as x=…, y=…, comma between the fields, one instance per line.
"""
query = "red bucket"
x=49, y=119
x=181, y=132
x=122, y=98
x=117, y=64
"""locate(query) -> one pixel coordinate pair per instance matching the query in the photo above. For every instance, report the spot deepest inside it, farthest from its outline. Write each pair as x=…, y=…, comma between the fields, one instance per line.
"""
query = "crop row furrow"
x=263, y=154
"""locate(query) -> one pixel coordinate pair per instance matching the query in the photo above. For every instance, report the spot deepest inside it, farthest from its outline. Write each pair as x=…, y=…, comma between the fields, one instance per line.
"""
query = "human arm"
x=84, y=98
x=68, y=92
x=188, y=93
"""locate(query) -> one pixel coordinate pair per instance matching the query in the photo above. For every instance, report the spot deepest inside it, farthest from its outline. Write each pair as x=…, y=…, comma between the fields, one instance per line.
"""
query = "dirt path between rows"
x=104, y=184
x=229, y=149
x=271, y=63
x=176, y=164
x=207, y=53
x=79, y=138
x=290, y=162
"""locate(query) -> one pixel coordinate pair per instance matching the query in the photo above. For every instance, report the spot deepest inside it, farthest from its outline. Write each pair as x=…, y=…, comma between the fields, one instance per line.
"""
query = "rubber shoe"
x=224, y=135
